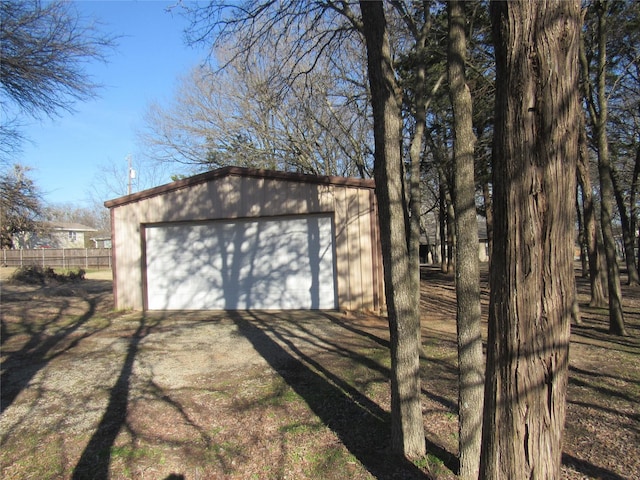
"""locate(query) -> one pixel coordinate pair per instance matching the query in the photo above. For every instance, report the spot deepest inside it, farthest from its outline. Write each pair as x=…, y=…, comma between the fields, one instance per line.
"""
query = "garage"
x=264, y=264
x=248, y=239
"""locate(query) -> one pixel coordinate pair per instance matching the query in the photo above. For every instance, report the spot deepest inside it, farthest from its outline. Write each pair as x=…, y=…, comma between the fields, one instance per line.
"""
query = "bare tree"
x=44, y=47
x=114, y=177
x=97, y=218
x=11, y=137
x=532, y=277
x=623, y=95
x=234, y=116
x=597, y=108
x=470, y=356
x=20, y=204
x=591, y=229
x=626, y=224
x=402, y=292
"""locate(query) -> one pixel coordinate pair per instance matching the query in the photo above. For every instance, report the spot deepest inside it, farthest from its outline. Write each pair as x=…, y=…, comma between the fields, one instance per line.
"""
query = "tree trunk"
x=632, y=202
x=415, y=153
x=443, y=222
x=627, y=232
x=488, y=208
x=582, y=242
x=467, y=263
x=616, y=318
x=451, y=233
x=402, y=293
x=596, y=280
x=635, y=184
x=532, y=277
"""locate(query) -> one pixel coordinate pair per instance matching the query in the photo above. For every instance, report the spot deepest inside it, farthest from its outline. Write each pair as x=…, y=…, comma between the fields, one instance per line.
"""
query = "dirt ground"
x=89, y=392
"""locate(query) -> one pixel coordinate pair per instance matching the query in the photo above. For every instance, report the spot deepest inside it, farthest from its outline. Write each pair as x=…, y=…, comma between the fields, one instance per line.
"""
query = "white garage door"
x=282, y=263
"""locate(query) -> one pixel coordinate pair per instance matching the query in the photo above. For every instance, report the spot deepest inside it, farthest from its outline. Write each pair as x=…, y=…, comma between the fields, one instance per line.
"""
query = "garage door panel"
x=259, y=264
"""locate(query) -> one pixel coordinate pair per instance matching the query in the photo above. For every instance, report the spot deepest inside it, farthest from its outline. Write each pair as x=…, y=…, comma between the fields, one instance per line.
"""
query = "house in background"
x=430, y=243
x=55, y=235
x=101, y=240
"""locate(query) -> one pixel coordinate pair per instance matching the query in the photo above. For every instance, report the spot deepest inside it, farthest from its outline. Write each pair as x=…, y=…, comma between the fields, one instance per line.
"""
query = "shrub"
x=35, y=275
x=31, y=274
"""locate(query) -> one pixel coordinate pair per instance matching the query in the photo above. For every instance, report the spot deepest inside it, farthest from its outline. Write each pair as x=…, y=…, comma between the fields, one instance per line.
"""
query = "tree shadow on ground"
x=449, y=460
x=42, y=346
x=96, y=457
x=362, y=426
x=589, y=469
x=441, y=369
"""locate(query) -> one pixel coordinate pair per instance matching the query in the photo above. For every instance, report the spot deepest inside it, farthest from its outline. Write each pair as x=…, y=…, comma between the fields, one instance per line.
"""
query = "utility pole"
x=131, y=174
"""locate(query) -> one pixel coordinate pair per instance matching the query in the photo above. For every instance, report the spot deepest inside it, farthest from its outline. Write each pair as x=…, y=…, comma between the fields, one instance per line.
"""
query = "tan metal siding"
x=128, y=259
x=342, y=249
x=365, y=245
x=237, y=196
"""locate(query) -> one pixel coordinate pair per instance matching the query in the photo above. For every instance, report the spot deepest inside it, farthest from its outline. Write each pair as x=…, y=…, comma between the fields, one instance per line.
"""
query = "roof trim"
x=67, y=226
x=240, y=172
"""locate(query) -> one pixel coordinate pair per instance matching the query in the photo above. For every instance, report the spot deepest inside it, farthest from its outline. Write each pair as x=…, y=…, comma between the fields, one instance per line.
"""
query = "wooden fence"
x=58, y=257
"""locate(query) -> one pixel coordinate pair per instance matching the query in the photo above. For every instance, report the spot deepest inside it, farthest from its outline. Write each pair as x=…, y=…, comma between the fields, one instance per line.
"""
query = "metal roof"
x=240, y=172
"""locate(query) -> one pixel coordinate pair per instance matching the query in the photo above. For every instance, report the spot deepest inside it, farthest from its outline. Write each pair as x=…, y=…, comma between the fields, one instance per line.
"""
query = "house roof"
x=240, y=172
x=69, y=227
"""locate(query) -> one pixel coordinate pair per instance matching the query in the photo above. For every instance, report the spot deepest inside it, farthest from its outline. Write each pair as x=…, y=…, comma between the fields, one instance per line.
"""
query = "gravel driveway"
x=92, y=393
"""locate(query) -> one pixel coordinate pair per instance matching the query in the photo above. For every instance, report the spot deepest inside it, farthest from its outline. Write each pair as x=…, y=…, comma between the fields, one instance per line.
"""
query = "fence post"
x=86, y=258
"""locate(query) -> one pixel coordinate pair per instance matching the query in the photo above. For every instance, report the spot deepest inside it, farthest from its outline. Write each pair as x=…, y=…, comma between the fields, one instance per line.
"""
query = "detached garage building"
x=239, y=239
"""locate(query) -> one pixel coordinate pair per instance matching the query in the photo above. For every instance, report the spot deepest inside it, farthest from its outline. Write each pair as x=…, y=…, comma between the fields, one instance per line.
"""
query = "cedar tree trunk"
x=616, y=318
x=532, y=277
x=596, y=281
x=402, y=292
x=467, y=263
x=628, y=232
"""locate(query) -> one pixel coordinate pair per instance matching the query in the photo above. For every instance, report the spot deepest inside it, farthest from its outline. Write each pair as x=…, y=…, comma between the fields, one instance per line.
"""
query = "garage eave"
x=240, y=172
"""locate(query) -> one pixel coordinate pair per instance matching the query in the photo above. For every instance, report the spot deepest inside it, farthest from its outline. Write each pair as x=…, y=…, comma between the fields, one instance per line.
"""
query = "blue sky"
x=66, y=153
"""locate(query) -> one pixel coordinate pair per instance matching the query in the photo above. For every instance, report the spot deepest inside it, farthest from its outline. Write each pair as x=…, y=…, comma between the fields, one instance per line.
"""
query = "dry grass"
x=92, y=393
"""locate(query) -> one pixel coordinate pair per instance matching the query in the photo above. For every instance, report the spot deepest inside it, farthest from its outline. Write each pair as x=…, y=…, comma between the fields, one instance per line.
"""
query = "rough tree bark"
x=443, y=222
x=596, y=281
x=635, y=184
x=584, y=264
x=598, y=113
x=402, y=293
x=616, y=317
x=628, y=231
x=422, y=100
x=532, y=278
x=467, y=263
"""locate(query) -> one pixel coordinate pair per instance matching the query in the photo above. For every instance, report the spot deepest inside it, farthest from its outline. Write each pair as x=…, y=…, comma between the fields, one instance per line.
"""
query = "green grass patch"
x=432, y=463
x=128, y=452
x=301, y=428
x=331, y=459
x=44, y=461
x=277, y=393
x=364, y=376
x=128, y=455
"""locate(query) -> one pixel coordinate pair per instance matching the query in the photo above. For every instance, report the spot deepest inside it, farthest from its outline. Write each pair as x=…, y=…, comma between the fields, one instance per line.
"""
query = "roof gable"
x=240, y=172
x=68, y=227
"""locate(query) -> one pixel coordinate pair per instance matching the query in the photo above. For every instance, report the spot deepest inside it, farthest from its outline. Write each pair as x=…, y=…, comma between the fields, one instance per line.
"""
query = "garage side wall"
x=357, y=256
